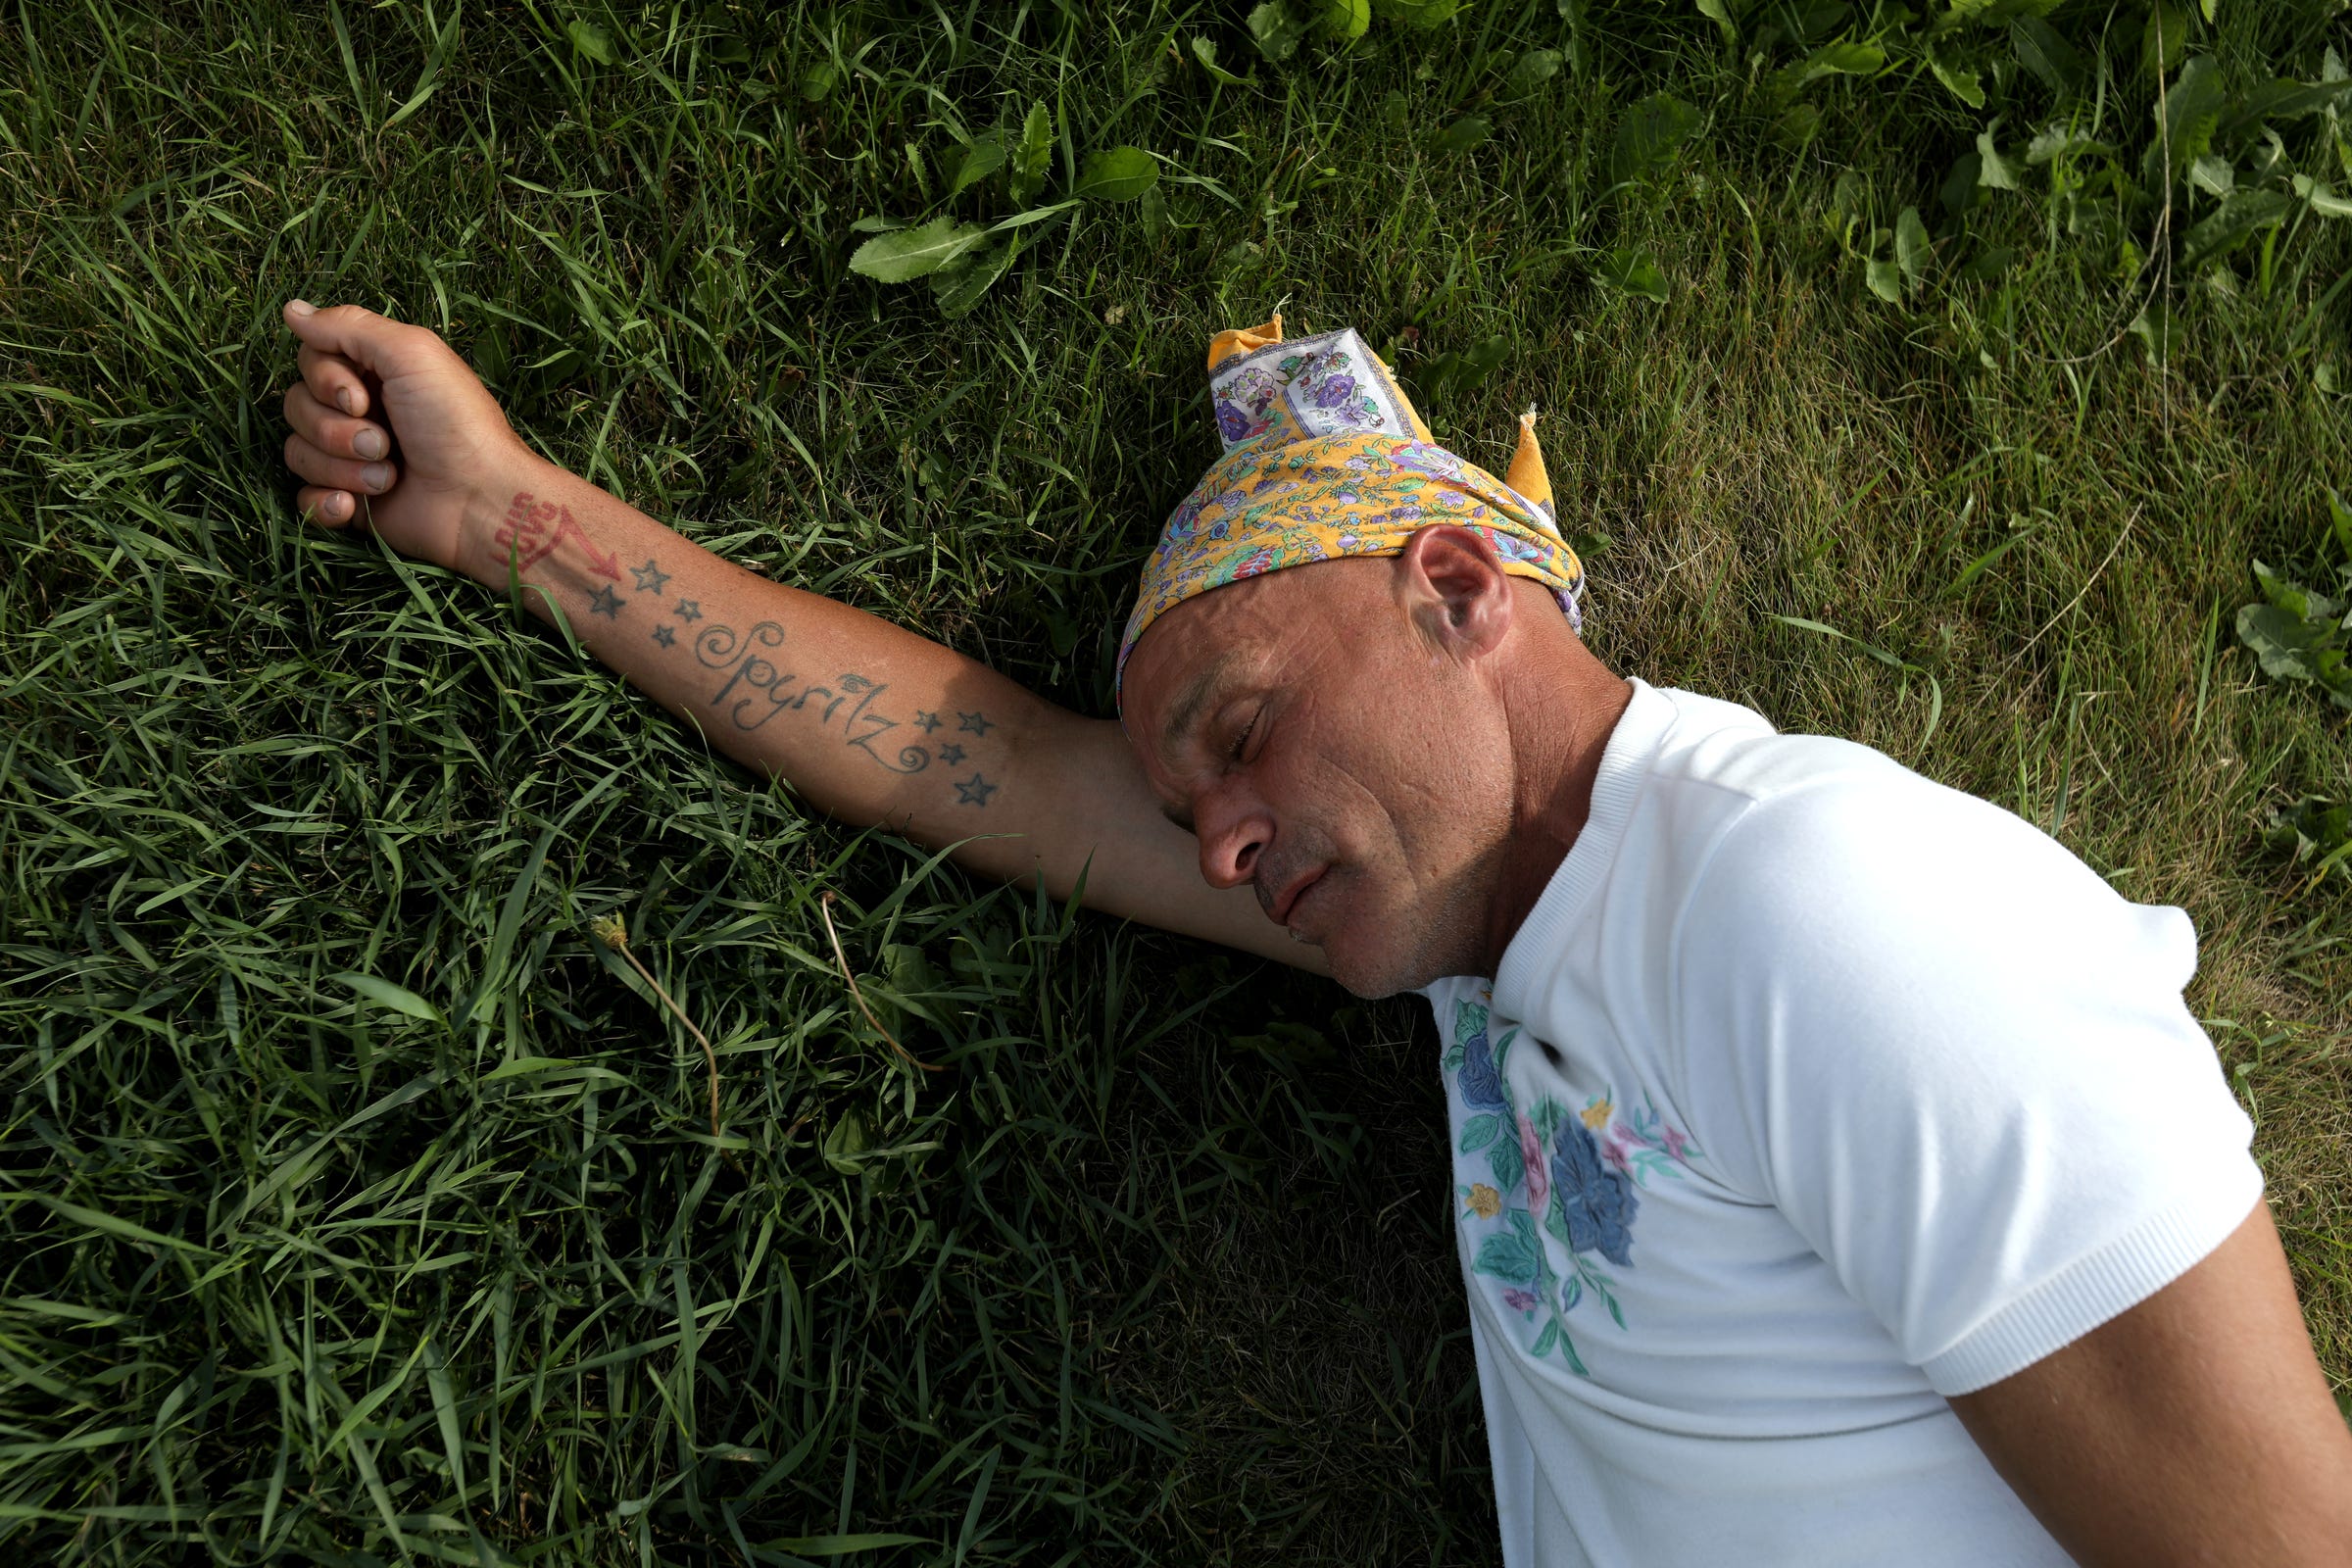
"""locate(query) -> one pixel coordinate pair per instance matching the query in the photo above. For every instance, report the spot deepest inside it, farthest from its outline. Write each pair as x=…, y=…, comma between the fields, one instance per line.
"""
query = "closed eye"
x=1243, y=739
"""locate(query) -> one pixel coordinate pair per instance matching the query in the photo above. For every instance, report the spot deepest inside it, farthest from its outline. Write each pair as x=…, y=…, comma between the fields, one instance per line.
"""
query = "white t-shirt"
x=1809, y=1092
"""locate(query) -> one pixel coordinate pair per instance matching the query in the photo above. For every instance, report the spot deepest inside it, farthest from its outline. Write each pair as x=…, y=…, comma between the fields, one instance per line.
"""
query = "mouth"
x=1282, y=906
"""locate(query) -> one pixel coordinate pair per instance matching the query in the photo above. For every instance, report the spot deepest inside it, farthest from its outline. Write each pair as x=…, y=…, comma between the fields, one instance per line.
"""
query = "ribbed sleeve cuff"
x=2068, y=1305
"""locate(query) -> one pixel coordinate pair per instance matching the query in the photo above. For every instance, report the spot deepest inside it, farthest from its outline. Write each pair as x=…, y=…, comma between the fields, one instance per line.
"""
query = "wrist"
x=496, y=533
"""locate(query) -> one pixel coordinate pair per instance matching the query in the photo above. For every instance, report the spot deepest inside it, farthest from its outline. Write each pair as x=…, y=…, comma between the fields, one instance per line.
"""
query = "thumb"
x=367, y=340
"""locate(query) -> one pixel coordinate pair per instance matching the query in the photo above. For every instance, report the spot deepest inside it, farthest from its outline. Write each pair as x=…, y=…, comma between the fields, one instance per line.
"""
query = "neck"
x=1560, y=714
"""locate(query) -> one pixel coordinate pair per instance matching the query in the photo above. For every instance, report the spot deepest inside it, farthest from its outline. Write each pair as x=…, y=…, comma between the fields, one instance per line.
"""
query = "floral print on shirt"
x=1572, y=1176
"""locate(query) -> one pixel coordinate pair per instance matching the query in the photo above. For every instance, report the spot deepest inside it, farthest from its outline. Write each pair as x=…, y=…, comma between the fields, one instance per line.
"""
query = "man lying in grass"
x=1840, y=1174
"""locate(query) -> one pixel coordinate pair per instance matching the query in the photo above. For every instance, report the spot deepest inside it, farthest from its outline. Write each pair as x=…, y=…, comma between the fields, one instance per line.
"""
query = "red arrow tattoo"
x=533, y=528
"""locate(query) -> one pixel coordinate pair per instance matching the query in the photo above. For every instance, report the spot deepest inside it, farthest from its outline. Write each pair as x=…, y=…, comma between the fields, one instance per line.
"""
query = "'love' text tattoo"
x=534, y=528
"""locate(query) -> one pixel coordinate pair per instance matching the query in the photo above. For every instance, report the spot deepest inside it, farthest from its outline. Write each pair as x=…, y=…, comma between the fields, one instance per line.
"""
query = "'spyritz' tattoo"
x=533, y=528
x=757, y=688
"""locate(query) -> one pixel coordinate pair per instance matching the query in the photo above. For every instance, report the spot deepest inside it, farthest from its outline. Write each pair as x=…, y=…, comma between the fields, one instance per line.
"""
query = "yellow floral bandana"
x=1324, y=459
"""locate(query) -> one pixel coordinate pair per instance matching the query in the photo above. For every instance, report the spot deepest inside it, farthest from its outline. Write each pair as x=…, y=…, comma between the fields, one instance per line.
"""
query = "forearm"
x=870, y=722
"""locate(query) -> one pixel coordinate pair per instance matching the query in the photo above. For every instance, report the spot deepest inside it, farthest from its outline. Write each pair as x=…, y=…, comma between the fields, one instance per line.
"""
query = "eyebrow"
x=1186, y=710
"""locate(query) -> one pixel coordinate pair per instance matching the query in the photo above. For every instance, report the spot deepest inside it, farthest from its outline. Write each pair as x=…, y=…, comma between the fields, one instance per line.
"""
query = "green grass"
x=287, y=1273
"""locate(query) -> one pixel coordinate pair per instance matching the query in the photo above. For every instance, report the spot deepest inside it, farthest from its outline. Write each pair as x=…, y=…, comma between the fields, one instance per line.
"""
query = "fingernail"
x=376, y=477
x=370, y=444
x=337, y=504
x=302, y=307
x=343, y=399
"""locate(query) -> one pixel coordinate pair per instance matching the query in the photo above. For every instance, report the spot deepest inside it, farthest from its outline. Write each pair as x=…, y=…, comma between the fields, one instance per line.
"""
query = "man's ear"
x=1456, y=590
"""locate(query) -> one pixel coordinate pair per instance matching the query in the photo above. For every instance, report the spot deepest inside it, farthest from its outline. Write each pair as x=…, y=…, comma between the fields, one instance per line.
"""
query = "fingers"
x=330, y=508
x=337, y=451
x=329, y=472
x=361, y=337
x=331, y=432
x=333, y=380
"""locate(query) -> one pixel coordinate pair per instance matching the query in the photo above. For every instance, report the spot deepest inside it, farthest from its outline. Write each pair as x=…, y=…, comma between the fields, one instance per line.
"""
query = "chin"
x=1399, y=945
x=1371, y=972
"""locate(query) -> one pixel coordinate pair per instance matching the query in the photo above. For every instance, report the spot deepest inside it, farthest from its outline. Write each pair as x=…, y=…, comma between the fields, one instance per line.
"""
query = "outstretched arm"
x=870, y=722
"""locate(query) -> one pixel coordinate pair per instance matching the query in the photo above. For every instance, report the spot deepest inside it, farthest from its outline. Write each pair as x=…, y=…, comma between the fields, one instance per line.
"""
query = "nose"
x=1233, y=834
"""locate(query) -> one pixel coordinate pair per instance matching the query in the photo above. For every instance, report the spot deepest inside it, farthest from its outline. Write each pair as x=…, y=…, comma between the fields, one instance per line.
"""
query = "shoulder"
x=1741, y=824
x=1732, y=750
x=1832, y=850
x=1876, y=900
x=1717, y=765
x=1771, y=861
x=1765, y=847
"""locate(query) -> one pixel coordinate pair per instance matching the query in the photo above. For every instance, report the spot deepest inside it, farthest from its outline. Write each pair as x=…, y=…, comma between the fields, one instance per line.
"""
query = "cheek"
x=1384, y=758
x=1336, y=791
x=1425, y=774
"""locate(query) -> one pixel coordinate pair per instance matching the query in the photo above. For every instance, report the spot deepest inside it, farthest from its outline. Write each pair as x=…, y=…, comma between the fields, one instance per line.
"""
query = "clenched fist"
x=390, y=426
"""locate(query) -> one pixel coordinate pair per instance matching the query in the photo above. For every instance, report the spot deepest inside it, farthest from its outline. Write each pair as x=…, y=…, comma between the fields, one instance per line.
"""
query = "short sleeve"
x=1959, y=1064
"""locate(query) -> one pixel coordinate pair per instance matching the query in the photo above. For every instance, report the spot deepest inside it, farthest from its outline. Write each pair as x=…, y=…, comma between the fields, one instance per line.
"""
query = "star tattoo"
x=926, y=722
x=974, y=723
x=649, y=577
x=604, y=601
x=689, y=610
x=973, y=791
x=951, y=755
x=664, y=635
